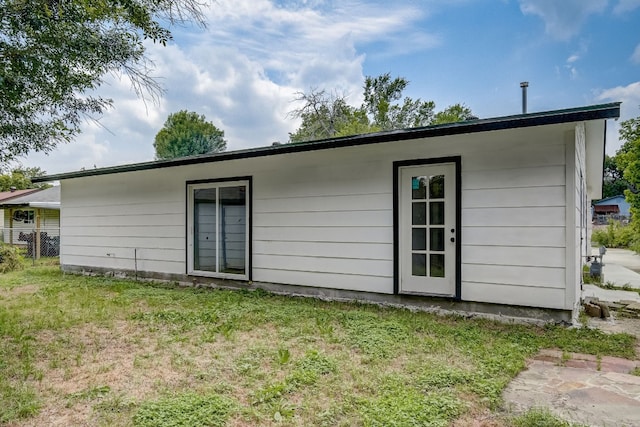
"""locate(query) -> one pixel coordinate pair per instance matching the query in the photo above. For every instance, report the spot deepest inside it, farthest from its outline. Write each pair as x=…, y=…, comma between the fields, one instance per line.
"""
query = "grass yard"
x=105, y=352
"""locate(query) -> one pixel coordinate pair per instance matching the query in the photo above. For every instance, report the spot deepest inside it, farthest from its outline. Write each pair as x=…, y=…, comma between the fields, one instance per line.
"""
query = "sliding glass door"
x=218, y=229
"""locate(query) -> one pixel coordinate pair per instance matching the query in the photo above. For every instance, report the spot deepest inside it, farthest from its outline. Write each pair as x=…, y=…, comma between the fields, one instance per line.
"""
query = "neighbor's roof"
x=593, y=112
x=608, y=199
x=48, y=198
x=7, y=195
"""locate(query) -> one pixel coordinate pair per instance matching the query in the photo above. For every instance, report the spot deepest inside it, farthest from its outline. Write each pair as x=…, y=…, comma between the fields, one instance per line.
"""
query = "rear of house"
x=489, y=215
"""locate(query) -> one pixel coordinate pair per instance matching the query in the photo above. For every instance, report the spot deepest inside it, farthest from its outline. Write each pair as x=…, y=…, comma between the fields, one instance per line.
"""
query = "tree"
x=186, y=133
x=613, y=183
x=20, y=179
x=453, y=113
x=55, y=54
x=380, y=95
x=628, y=160
x=329, y=115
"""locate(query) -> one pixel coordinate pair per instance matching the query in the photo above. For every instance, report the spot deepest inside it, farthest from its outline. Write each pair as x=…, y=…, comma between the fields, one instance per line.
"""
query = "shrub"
x=10, y=258
x=616, y=235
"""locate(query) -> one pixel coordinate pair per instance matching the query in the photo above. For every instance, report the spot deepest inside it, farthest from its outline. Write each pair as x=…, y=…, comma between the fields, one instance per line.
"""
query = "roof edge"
x=592, y=112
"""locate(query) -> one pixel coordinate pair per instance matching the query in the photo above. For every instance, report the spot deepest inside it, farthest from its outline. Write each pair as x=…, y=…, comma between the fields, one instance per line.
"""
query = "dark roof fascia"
x=594, y=112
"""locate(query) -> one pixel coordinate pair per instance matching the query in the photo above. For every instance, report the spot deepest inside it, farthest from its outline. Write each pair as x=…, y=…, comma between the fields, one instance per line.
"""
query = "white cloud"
x=573, y=58
x=625, y=6
x=630, y=97
x=243, y=71
x=635, y=56
x=563, y=19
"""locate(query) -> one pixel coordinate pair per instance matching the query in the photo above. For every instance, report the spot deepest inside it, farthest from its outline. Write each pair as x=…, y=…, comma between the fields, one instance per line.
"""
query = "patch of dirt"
x=19, y=290
x=137, y=364
x=88, y=357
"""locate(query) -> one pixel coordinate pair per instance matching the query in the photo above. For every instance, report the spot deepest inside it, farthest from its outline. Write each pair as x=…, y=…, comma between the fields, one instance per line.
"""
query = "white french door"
x=427, y=234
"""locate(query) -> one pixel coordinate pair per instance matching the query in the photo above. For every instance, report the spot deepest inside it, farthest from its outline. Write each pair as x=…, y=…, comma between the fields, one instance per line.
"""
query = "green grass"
x=122, y=353
x=184, y=410
x=539, y=417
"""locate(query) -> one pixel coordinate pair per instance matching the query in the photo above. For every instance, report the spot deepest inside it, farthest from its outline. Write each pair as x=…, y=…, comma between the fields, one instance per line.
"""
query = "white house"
x=487, y=215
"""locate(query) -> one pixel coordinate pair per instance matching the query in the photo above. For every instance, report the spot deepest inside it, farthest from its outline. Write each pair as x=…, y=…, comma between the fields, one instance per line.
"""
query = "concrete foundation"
x=502, y=312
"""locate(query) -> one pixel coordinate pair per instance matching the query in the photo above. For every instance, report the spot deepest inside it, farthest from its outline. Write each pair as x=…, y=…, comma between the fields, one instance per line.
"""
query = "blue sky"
x=243, y=70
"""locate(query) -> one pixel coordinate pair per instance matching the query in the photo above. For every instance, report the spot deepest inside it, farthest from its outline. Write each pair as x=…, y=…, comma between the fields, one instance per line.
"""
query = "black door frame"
x=457, y=160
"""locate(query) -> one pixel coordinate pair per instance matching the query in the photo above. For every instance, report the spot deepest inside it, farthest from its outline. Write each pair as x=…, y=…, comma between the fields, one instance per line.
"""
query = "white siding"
x=513, y=216
x=135, y=223
x=325, y=218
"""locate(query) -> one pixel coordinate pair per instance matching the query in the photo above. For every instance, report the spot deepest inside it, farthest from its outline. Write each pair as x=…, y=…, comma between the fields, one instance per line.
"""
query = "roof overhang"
x=589, y=113
x=595, y=145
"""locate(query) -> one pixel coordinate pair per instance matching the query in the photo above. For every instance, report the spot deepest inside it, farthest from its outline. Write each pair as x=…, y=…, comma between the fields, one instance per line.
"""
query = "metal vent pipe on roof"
x=524, y=86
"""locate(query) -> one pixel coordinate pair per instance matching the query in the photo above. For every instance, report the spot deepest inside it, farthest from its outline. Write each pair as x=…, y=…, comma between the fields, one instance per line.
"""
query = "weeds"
x=10, y=258
x=615, y=235
x=539, y=417
x=187, y=409
x=87, y=394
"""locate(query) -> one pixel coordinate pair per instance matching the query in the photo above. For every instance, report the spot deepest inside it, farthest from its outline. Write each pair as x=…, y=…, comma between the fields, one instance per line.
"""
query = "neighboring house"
x=487, y=215
x=8, y=195
x=611, y=208
x=33, y=220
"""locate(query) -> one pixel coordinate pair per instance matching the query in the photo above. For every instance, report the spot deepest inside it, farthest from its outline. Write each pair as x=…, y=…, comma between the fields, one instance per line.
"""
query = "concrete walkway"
x=621, y=267
x=578, y=387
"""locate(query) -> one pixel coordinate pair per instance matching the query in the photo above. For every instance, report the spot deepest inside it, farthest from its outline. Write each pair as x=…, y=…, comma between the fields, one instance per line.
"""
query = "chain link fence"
x=36, y=243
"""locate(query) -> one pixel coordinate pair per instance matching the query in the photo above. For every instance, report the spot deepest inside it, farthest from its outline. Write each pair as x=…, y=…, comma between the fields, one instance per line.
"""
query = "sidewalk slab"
x=609, y=295
x=624, y=257
x=620, y=275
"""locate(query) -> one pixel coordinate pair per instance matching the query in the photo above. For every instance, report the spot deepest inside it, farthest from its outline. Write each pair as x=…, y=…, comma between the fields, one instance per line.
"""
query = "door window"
x=427, y=226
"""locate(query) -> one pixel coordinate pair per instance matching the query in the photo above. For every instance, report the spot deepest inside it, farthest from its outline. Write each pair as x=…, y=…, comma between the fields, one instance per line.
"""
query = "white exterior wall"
x=325, y=218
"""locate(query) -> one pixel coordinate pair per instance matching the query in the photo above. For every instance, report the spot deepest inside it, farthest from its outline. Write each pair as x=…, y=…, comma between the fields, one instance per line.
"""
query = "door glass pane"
x=419, y=264
x=436, y=265
x=419, y=213
x=232, y=228
x=436, y=239
x=436, y=213
x=419, y=239
x=204, y=212
x=436, y=187
x=418, y=187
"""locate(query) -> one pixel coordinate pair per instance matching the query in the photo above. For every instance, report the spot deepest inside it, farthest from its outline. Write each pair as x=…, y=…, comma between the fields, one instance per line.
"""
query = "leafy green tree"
x=384, y=108
x=453, y=113
x=613, y=183
x=20, y=179
x=628, y=161
x=186, y=133
x=54, y=56
x=380, y=101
